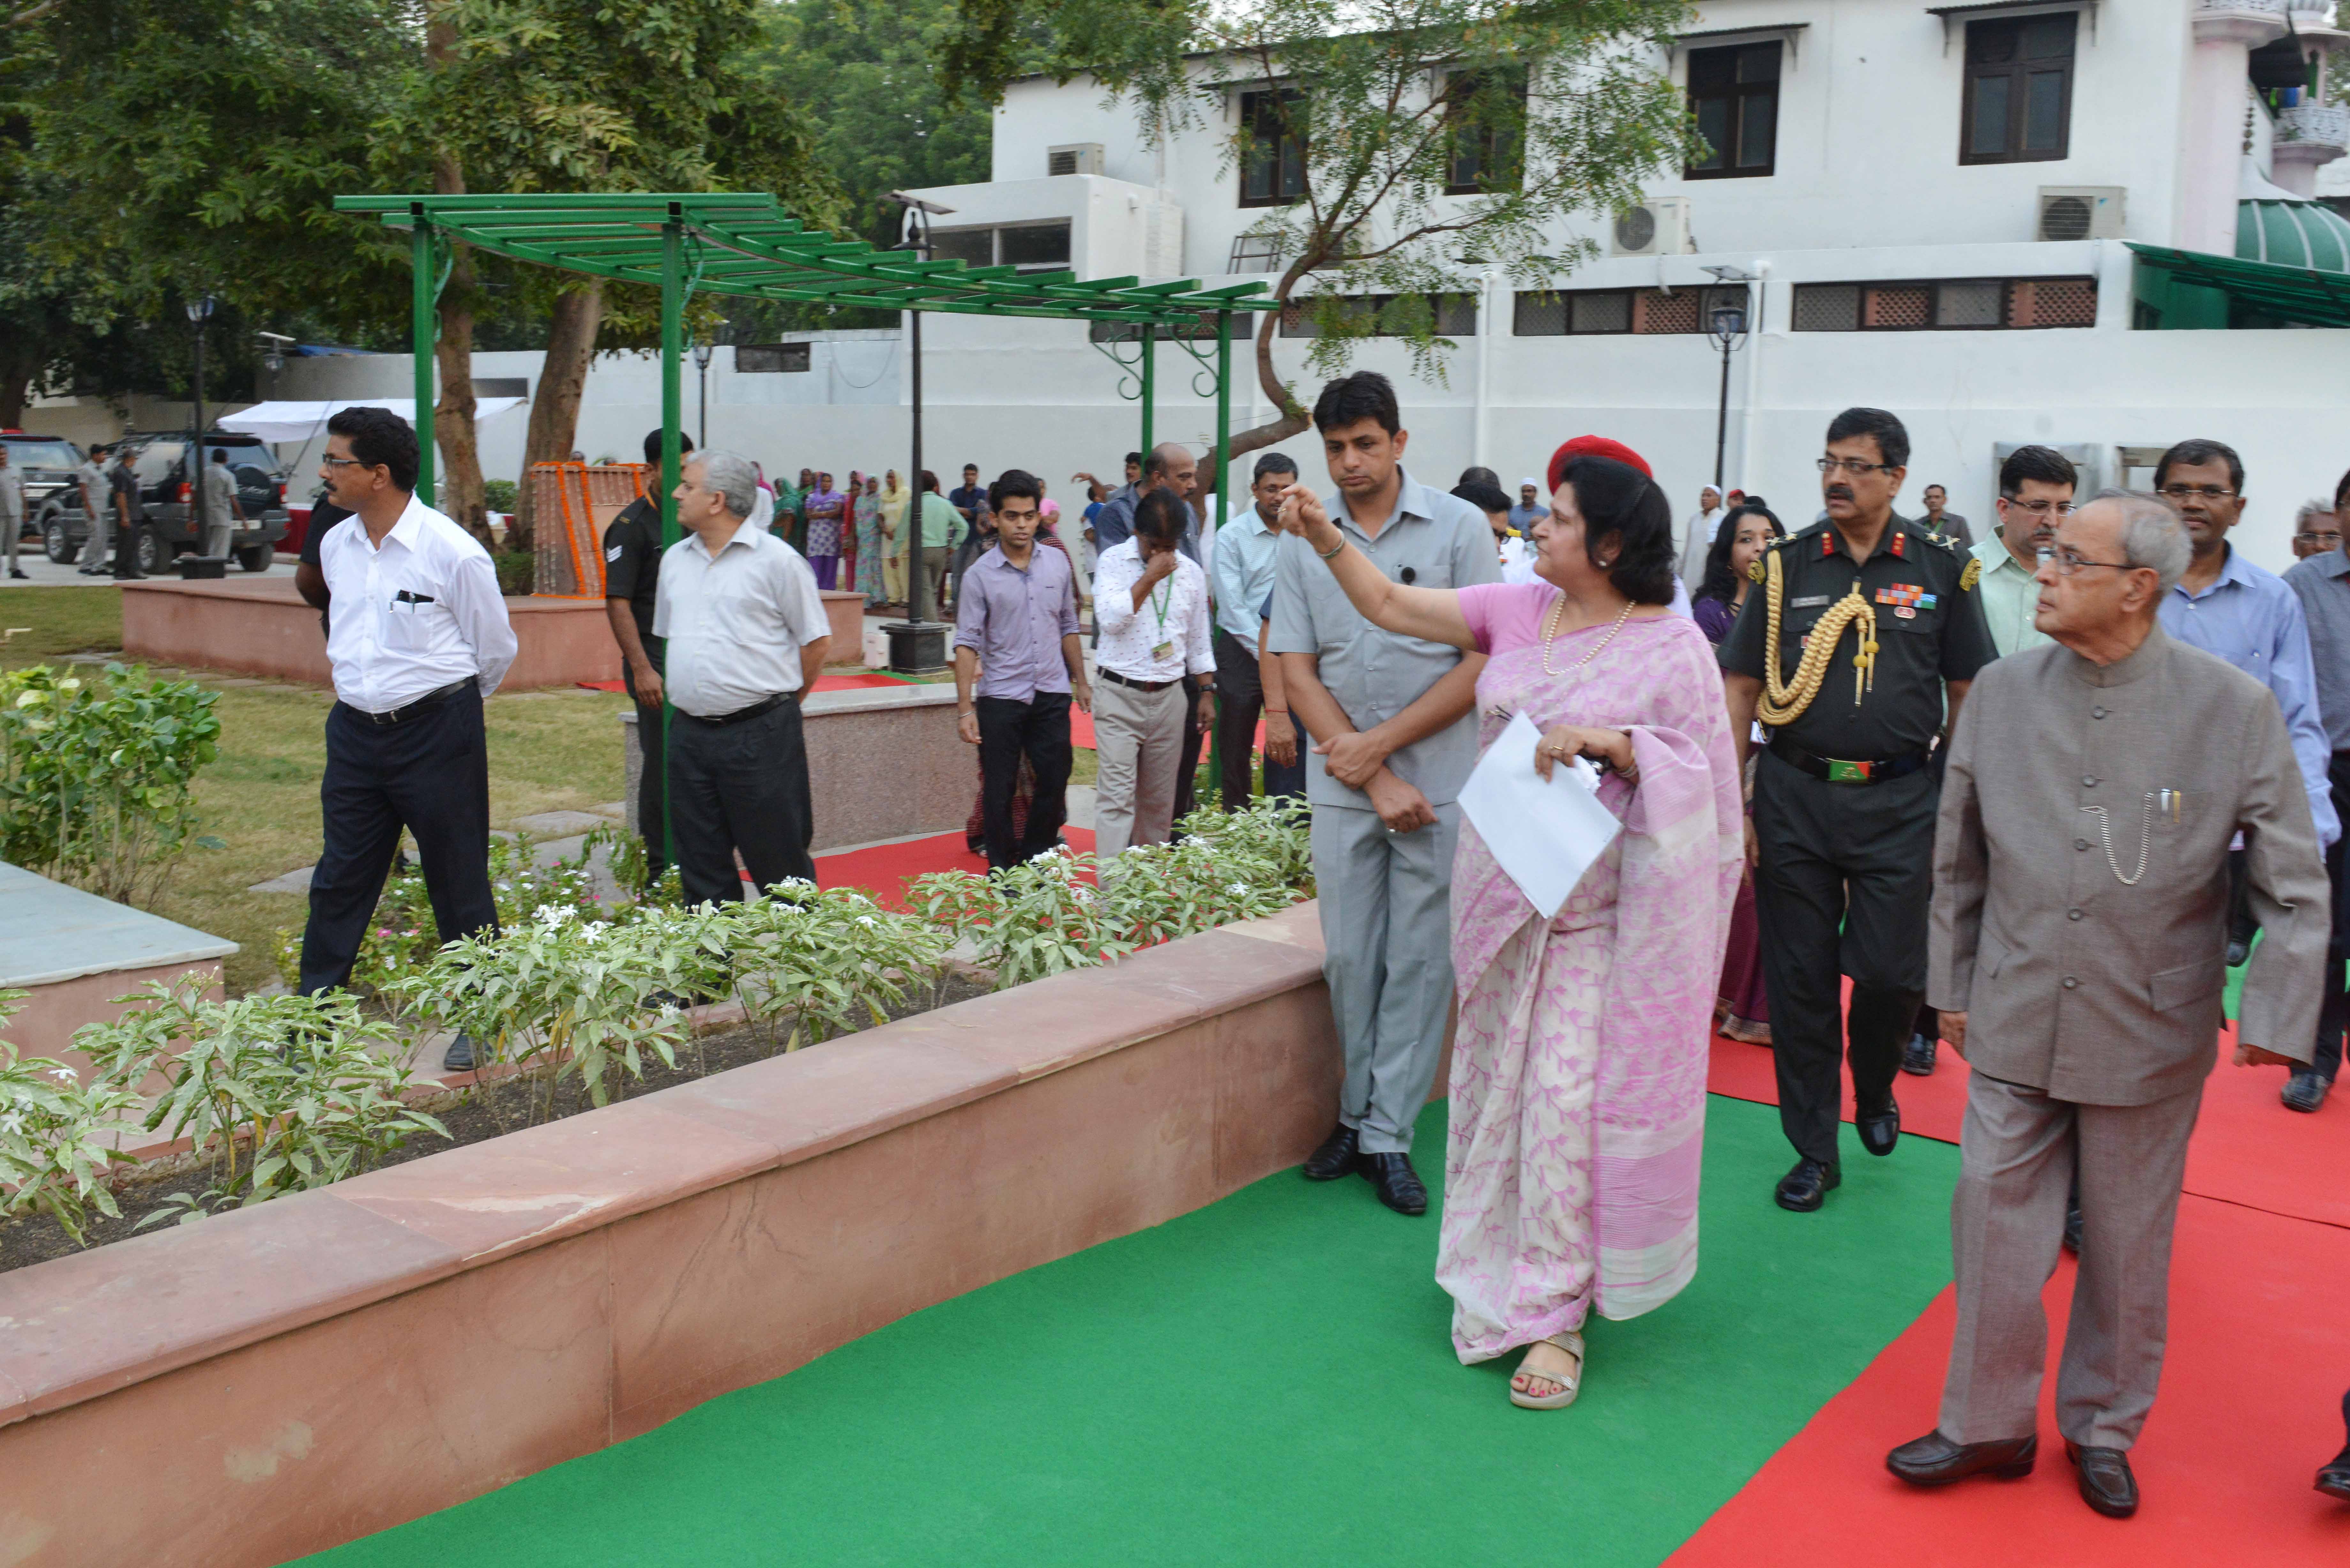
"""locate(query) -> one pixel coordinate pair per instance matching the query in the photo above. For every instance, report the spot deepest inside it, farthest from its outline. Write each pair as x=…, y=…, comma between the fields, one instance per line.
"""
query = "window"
x=1273, y=148
x=1734, y=93
x=1485, y=117
x=973, y=247
x=1456, y=315
x=157, y=461
x=1954, y=305
x=2019, y=102
x=1029, y=246
x=768, y=359
x=1635, y=312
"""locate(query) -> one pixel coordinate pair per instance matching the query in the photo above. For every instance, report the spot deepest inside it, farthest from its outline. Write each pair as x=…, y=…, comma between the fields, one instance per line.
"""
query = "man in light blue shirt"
x=2246, y=614
x=1242, y=577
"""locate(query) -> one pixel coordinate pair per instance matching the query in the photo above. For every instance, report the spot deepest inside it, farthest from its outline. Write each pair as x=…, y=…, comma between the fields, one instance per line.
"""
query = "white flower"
x=1239, y=889
x=552, y=915
x=13, y=1122
x=867, y=921
x=593, y=932
x=65, y=1075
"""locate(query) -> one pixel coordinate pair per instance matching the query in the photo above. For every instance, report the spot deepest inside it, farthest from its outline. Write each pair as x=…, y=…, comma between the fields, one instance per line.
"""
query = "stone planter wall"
x=274, y=1381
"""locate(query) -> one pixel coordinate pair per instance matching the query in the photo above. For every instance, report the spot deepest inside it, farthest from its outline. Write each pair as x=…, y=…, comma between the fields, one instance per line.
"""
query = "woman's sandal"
x=1570, y=1384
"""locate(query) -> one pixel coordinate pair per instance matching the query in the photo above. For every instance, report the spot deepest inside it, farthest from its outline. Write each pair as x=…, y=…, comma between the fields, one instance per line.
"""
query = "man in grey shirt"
x=97, y=505
x=1940, y=519
x=216, y=495
x=2321, y=583
x=12, y=510
x=1393, y=720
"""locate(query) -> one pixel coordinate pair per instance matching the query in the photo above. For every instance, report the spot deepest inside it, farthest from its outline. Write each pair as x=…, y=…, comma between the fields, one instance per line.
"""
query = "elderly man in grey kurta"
x=2080, y=875
x=1395, y=740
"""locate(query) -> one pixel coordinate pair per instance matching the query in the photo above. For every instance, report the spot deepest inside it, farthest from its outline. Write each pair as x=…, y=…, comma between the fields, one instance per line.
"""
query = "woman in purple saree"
x=1577, y=1112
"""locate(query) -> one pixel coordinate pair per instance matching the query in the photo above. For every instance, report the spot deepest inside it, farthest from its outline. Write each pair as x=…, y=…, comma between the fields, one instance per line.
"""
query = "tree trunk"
x=555, y=410
x=18, y=365
x=1292, y=416
x=452, y=416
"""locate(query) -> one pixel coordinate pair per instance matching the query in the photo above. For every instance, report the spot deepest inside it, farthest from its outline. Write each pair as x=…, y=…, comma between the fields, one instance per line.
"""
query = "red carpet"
x=885, y=868
x=2247, y=1149
x=2249, y=1407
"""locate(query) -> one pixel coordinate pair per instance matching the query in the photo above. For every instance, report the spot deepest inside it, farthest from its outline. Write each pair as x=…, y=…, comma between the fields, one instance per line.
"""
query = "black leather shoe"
x=1918, y=1056
x=1879, y=1126
x=2304, y=1091
x=1804, y=1187
x=2073, y=1230
x=1397, y=1183
x=460, y=1055
x=1335, y=1157
x=2333, y=1481
x=2106, y=1484
x=1935, y=1460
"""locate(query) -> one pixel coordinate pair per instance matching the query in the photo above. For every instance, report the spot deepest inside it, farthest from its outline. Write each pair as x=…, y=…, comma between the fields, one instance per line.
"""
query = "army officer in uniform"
x=1865, y=631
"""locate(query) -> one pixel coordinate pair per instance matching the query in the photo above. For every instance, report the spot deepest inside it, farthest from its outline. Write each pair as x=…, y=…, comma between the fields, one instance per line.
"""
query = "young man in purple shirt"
x=1018, y=666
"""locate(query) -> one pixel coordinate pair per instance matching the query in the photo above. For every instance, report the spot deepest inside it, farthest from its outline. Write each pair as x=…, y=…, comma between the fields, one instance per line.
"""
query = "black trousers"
x=740, y=787
x=429, y=774
x=1841, y=889
x=1039, y=730
x=652, y=780
x=1187, y=773
x=1240, y=704
x=2333, y=1012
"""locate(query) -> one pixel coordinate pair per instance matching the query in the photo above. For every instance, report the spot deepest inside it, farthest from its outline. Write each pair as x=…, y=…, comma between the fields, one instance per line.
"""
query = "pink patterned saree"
x=1579, y=1063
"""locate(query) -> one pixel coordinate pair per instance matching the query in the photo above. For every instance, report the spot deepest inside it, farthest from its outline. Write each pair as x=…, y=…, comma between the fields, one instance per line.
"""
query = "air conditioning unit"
x=2080, y=212
x=1657, y=226
x=1077, y=158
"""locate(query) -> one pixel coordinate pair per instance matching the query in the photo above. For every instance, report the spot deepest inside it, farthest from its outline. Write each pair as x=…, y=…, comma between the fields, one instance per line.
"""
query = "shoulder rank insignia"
x=1754, y=570
x=1971, y=576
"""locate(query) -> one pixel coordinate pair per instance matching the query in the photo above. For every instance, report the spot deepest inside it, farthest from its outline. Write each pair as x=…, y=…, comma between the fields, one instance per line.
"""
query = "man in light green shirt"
x=2035, y=494
x=942, y=531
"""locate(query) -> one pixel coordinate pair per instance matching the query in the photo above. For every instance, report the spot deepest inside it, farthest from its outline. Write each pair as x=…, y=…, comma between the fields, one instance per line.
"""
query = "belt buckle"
x=1841, y=772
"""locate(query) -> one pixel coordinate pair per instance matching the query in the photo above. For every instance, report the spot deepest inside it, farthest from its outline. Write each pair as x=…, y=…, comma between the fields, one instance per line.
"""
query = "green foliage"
x=96, y=774
x=277, y=1094
x=830, y=962
x=1065, y=911
x=500, y=494
x=56, y=1136
x=1383, y=96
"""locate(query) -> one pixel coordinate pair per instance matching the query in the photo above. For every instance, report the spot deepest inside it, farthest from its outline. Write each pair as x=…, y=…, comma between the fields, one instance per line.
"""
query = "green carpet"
x=1267, y=1380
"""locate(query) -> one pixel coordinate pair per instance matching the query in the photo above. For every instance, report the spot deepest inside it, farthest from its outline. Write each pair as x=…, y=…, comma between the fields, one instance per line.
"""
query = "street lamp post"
x=1728, y=330
x=917, y=644
x=200, y=311
x=701, y=352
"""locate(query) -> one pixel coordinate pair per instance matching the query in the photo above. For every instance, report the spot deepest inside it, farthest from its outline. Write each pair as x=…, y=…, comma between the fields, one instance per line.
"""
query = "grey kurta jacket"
x=2099, y=992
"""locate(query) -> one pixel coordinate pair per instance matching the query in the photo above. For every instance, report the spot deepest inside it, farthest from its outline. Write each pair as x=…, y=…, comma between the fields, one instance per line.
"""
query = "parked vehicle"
x=48, y=464
x=167, y=517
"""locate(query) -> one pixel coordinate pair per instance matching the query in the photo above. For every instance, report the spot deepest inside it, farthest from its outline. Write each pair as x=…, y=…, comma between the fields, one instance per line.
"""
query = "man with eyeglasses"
x=2036, y=485
x=2246, y=614
x=2321, y=583
x=1863, y=634
x=2316, y=528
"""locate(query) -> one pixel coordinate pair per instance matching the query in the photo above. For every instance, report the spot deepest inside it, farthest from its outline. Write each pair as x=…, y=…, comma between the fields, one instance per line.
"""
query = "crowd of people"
x=2033, y=793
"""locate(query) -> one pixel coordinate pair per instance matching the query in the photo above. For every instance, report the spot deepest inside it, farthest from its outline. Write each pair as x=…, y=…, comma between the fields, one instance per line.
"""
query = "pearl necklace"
x=1557, y=613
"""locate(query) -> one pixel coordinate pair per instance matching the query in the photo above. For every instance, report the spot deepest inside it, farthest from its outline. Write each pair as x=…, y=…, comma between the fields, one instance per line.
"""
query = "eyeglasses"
x=2069, y=562
x=332, y=462
x=1853, y=466
x=2040, y=508
x=2326, y=539
x=2194, y=492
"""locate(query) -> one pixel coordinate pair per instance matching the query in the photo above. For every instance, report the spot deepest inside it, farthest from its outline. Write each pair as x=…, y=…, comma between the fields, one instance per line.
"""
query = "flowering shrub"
x=56, y=1136
x=830, y=961
x=97, y=775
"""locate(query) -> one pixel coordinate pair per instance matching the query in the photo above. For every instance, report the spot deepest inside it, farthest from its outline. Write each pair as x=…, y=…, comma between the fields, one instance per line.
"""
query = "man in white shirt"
x=12, y=510
x=97, y=505
x=1697, y=540
x=743, y=633
x=216, y=501
x=1150, y=603
x=419, y=640
x=1241, y=562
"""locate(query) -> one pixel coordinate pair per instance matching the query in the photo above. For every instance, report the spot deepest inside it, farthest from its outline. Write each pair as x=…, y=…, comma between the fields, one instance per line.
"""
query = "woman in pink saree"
x=1577, y=1114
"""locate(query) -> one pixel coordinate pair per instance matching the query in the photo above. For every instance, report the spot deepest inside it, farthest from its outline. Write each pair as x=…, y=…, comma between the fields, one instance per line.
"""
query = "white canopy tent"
x=298, y=420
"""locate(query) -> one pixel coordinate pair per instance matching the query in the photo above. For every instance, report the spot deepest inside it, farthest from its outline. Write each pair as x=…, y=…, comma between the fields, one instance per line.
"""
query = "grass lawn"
x=549, y=751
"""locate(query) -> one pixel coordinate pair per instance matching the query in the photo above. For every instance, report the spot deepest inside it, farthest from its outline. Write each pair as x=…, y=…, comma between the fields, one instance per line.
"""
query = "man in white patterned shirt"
x=418, y=640
x=1150, y=604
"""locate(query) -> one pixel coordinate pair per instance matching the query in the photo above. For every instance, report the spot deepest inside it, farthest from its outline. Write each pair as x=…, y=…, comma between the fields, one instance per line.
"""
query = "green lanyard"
x=1160, y=601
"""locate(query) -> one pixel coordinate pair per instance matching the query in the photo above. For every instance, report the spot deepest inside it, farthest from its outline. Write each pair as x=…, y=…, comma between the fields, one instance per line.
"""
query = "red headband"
x=1594, y=446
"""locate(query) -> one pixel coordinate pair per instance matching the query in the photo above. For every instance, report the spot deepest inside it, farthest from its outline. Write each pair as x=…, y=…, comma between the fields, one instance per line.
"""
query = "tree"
x=582, y=95
x=1402, y=143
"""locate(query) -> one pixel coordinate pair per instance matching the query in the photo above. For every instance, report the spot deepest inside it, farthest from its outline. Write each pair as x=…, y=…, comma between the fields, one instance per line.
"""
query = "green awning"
x=2266, y=291
x=744, y=242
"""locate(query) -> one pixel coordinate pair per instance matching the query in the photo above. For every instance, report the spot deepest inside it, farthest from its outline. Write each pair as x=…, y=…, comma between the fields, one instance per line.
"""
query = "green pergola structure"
x=746, y=244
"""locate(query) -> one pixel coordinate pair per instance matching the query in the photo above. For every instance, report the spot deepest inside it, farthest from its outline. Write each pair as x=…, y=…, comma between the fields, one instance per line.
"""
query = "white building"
x=1938, y=203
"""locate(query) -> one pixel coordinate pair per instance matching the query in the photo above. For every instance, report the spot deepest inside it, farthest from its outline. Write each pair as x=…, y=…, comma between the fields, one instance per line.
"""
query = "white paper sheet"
x=1545, y=836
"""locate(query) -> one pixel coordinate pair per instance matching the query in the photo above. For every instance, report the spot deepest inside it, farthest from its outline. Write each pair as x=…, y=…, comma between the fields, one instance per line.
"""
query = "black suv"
x=48, y=464
x=167, y=506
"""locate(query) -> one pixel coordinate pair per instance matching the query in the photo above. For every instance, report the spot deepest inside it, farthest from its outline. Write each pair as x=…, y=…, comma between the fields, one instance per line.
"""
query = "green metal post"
x=1149, y=386
x=673, y=341
x=424, y=307
x=1223, y=502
